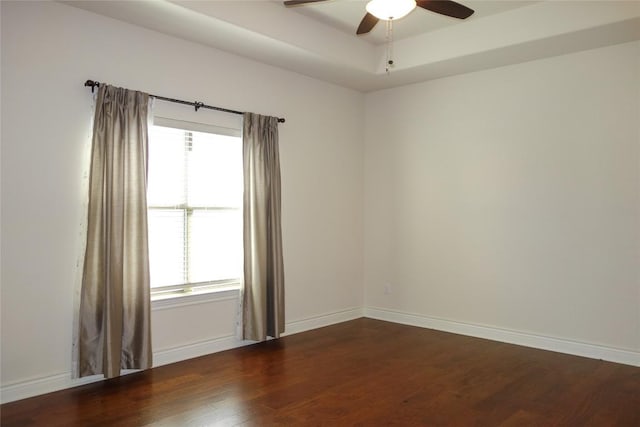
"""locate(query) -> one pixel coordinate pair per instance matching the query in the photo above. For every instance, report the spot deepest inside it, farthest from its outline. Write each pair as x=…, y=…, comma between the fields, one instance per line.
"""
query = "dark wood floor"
x=364, y=372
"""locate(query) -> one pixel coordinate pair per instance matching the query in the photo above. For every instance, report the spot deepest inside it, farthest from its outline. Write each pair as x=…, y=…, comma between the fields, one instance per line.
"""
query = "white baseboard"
x=196, y=349
x=38, y=386
x=593, y=351
x=322, y=320
x=48, y=384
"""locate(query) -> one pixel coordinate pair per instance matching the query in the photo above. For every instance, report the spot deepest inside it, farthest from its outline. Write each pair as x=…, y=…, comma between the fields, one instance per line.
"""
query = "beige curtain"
x=114, y=320
x=263, y=293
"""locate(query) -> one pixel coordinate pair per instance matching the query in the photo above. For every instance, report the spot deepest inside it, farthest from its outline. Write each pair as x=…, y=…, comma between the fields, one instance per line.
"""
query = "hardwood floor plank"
x=359, y=373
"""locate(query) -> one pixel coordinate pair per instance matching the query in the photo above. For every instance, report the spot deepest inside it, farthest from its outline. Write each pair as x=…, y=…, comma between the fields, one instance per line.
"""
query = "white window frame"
x=202, y=288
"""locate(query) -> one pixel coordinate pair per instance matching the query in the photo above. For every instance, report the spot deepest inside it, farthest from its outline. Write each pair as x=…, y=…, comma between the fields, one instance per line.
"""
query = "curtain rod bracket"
x=92, y=84
x=197, y=105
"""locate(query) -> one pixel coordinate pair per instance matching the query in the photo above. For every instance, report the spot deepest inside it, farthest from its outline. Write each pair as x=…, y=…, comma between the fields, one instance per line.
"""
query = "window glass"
x=194, y=200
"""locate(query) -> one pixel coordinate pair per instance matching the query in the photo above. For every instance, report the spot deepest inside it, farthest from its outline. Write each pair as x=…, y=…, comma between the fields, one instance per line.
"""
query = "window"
x=194, y=202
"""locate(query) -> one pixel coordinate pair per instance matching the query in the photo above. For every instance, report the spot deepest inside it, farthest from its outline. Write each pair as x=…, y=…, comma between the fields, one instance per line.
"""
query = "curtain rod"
x=93, y=84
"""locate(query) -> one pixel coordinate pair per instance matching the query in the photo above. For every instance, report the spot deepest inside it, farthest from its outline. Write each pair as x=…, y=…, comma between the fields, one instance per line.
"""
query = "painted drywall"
x=48, y=51
x=510, y=198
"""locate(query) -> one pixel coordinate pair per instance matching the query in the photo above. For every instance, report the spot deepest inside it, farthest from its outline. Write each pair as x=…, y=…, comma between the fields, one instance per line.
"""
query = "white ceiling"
x=319, y=40
x=345, y=16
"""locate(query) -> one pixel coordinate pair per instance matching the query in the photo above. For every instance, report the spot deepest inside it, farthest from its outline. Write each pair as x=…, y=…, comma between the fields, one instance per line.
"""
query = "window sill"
x=175, y=299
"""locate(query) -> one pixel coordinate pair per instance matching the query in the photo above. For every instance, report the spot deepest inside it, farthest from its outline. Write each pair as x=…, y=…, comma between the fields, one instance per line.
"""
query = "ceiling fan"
x=389, y=10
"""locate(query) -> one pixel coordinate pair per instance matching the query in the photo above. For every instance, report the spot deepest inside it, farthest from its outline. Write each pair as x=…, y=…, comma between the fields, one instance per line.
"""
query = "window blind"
x=194, y=199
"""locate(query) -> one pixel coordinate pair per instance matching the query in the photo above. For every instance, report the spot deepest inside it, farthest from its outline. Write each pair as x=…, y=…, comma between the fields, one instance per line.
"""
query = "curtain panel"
x=263, y=291
x=114, y=319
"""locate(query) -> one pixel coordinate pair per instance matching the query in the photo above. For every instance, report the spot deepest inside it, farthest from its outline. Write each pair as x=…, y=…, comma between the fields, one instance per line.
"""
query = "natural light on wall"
x=194, y=199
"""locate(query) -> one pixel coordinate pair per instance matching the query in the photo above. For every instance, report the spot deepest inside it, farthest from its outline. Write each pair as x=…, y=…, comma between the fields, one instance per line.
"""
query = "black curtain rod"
x=93, y=84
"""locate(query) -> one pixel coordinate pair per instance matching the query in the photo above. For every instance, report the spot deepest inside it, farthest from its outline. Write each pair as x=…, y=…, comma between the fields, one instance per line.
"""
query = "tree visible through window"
x=194, y=209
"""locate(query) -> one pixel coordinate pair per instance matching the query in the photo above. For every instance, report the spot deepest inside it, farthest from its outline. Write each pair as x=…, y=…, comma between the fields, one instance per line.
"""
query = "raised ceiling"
x=319, y=40
x=346, y=15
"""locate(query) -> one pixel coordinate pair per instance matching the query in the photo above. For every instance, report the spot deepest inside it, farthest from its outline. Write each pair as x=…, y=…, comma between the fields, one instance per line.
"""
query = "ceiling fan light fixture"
x=390, y=9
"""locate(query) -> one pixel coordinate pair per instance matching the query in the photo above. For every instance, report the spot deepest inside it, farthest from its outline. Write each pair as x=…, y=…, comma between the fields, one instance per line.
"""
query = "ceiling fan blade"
x=446, y=7
x=298, y=2
x=368, y=22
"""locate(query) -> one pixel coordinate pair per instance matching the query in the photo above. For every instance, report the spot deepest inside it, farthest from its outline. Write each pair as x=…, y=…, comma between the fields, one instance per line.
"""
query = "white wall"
x=48, y=51
x=510, y=198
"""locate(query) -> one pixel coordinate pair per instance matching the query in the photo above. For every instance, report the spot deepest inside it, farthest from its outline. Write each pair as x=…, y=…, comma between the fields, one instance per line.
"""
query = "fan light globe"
x=390, y=9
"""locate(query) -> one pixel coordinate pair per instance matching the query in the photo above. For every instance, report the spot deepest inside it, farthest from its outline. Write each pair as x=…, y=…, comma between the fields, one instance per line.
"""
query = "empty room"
x=320, y=212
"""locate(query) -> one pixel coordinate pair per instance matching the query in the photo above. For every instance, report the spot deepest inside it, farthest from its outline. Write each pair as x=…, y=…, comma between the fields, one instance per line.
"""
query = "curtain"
x=263, y=292
x=114, y=319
